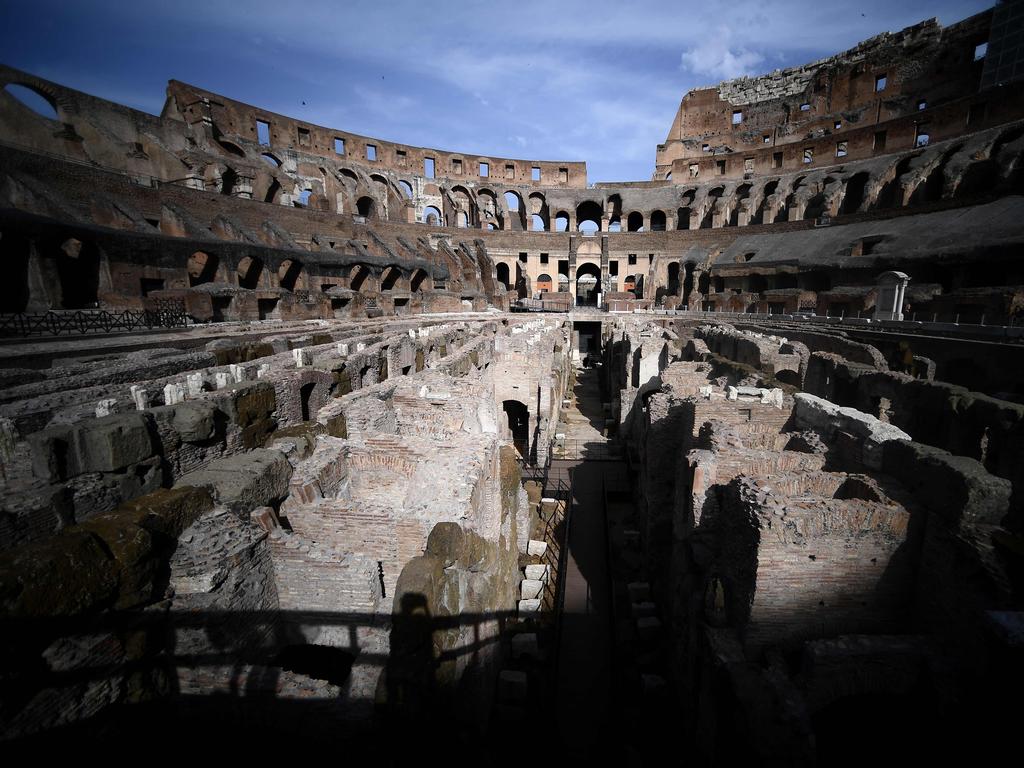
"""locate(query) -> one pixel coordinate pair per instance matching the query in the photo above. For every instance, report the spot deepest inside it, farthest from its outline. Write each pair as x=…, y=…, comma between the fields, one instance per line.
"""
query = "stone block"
x=648, y=628
x=513, y=686
x=105, y=407
x=536, y=548
x=113, y=443
x=538, y=572
x=194, y=421
x=244, y=482
x=527, y=607
x=173, y=393
x=639, y=591
x=530, y=589
x=646, y=608
x=524, y=644
x=167, y=512
x=265, y=518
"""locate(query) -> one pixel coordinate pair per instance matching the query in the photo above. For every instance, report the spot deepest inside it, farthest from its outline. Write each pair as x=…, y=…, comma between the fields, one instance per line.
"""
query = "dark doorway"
x=305, y=392
x=518, y=417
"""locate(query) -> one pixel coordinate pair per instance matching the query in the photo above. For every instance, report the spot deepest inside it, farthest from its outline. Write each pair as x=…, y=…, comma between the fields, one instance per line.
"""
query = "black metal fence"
x=168, y=313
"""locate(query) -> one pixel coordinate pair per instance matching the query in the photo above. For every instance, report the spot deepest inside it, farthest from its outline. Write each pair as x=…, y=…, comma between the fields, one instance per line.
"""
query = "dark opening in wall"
x=78, y=268
x=221, y=306
x=304, y=137
x=305, y=392
x=148, y=284
x=879, y=143
x=266, y=308
x=320, y=662
x=371, y=151
x=880, y=82
x=535, y=173
x=776, y=159
x=250, y=269
x=14, y=291
x=339, y=146
x=485, y=170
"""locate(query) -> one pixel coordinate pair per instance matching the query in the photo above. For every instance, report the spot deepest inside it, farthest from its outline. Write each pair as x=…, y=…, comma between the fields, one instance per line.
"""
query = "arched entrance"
x=517, y=418
x=588, y=285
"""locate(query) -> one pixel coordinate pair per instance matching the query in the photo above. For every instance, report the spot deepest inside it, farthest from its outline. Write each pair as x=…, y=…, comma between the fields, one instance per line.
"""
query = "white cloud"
x=716, y=57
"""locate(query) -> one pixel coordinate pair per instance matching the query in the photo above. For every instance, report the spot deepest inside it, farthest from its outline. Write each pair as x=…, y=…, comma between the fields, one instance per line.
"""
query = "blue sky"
x=562, y=80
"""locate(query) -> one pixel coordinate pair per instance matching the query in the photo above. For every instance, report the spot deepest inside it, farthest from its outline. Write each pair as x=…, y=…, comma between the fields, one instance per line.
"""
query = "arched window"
x=418, y=281
x=34, y=99
x=270, y=160
x=537, y=223
x=588, y=217
x=503, y=275
x=512, y=201
x=406, y=188
x=365, y=207
x=561, y=221
x=250, y=268
x=357, y=277
x=635, y=222
x=202, y=268
x=432, y=216
x=389, y=278
x=543, y=283
x=288, y=273
x=657, y=221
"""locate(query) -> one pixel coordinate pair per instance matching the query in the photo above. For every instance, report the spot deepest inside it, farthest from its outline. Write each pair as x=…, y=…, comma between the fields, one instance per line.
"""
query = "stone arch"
x=366, y=207
x=539, y=214
x=502, y=273
x=589, y=212
x=202, y=268
x=432, y=216
x=658, y=220
x=249, y=271
x=357, y=277
x=34, y=99
x=288, y=273
x=420, y=281
x=389, y=278
x=635, y=222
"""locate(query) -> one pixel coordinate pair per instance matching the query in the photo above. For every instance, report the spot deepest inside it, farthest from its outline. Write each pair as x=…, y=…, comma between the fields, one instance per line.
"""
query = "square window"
x=748, y=165
x=776, y=160
x=485, y=169
x=339, y=146
x=428, y=167
x=303, y=137
x=879, y=141
x=523, y=257
x=737, y=117
x=456, y=166
x=543, y=258
x=922, y=104
x=535, y=173
x=371, y=152
x=837, y=125
x=720, y=165
x=880, y=81
x=705, y=147
x=808, y=155
x=805, y=107
x=766, y=139
x=841, y=149
x=694, y=170
x=510, y=171
x=650, y=258
x=980, y=51
x=921, y=136
x=631, y=258
x=563, y=175
x=400, y=157
x=613, y=268
x=263, y=133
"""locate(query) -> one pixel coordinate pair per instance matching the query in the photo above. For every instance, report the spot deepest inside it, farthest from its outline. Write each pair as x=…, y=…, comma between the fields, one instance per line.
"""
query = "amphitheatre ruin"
x=311, y=434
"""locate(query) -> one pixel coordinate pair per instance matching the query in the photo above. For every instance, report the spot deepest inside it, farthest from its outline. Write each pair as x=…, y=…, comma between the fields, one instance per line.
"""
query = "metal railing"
x=169, y=313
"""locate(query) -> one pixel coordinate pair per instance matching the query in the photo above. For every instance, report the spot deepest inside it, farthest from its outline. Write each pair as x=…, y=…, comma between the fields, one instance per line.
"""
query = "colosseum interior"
x=406, y=450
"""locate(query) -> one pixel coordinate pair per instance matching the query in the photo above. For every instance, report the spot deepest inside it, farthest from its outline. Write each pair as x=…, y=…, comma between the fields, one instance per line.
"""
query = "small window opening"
x=980, y=51
x=720, y=166
x=523, y=257
x=400, y=157
x=263, y=133
x=879, y=140
x=485, y=169
x=737, y=117
x=428, y=167
x=339, y=146
x=808, y=155
x=766, y=139
x=776, y=160
x=705, y=147
x=510, y=171
x=837, y=125
x=880, y=81
x=543, y=258
x=922, y=104
x=921, y=137
x=535, y=173
x=631, y=258
x=563, y=175
x=841, y=149
x=371, y=152
x=805, y=107
x=694, y=170
x=303, y=137
x=748, y=165
x=613, y=268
